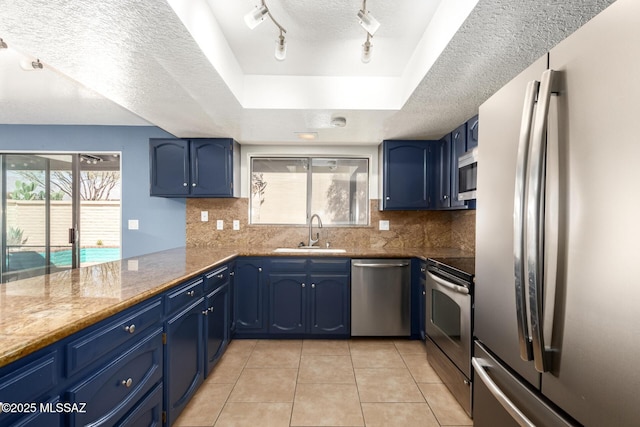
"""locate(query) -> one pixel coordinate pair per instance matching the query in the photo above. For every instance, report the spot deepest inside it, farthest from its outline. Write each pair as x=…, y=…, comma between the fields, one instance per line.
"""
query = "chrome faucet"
x=313, y=241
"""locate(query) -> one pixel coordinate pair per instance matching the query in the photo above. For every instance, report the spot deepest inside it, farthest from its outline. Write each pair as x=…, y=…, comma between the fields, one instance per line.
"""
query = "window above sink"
x=287, y=190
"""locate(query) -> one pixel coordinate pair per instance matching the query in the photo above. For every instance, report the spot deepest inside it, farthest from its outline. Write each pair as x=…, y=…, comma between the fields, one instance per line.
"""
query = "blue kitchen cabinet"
x=194, y=167
x=440, y=167
x=405, y=175
x=217, y=306
x=418, y=299
x=472, y=132
x=184, y=351
x=248, y=297
x=287, y=303
x=309, y=296
x=458, y=148
x=232, y=316
x=330, y=304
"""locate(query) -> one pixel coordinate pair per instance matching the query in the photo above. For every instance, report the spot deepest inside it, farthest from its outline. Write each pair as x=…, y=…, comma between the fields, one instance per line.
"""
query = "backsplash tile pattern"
x=408, y=229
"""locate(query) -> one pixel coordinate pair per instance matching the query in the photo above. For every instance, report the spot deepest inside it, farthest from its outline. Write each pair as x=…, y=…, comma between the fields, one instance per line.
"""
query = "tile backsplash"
x=409, y=229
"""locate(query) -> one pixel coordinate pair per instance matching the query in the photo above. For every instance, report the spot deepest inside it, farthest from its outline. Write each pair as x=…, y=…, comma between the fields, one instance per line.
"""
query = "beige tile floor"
x=358, y=382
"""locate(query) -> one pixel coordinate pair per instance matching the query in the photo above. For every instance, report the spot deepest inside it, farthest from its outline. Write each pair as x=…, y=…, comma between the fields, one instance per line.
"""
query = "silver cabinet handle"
x=193, y=184
x=191, y=293
x=260, y=269
x=127, y=383
x=313, y=286
x=422, y=269
x=233, y=273
x=220, y=276
x=210, y=309
x=448, y=285
x=518, y=218
x=506, y=403
x=131, y=328
x=424, y=292
x=303, y=285
x=184, y=184
x=205, y=312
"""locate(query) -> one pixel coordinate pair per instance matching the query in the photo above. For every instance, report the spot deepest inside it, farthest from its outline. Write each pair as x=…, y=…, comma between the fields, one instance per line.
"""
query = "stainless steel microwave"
x=468, y=175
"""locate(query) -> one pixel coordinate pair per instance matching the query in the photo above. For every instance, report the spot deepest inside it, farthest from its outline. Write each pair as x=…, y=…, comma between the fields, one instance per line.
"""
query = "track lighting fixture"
x=28, y=64
x=3, y=45
x=371, y=25
x=256, y=16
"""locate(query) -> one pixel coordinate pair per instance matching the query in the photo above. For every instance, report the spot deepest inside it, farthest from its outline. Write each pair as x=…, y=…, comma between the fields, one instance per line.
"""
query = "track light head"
x=281, y=48
x=256, y=16
x=3, y=45
x=366, y=51
x=368, y=22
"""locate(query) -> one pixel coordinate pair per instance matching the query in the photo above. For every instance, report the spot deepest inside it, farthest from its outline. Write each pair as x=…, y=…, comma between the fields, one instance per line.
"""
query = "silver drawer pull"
x=191, y=293
x=313, y=286
x=131, y=328
x=210, y=309
x=127, y=383
x=220, y=276
x=205, y=312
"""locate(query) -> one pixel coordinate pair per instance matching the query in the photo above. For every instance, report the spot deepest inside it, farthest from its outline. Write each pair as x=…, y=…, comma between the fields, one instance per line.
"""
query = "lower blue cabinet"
x=216, y=325
x=148, y=412
x=309, y=296
x=108, y=394
x=184, y=354
x=248, y=297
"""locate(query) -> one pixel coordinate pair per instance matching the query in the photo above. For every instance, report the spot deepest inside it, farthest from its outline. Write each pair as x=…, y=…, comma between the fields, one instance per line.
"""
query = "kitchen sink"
x=310, y=250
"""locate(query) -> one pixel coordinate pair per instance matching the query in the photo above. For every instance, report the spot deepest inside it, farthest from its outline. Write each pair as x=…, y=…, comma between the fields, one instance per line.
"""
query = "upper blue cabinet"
x=195, y=167
x=406, y=172
x=472, y=133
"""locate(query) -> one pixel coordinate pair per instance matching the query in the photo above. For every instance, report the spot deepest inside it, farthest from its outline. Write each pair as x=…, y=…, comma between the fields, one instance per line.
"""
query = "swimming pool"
x=92, y=255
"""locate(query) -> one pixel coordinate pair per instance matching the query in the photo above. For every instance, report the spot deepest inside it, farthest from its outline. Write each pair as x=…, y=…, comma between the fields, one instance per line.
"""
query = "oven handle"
x=502, y=398
x=401, y=264
x=449, y=285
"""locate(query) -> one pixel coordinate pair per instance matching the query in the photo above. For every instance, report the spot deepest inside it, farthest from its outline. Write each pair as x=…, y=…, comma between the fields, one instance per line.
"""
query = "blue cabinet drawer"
x=288, y=265
x=184, y=295
x=95, y=343
x=146, y=413
x=29, y=383
x=215, y=279
x=114, y=390
x=337, y=265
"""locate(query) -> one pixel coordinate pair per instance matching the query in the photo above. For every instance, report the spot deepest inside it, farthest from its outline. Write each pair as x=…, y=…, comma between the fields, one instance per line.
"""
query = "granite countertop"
x=39, y=311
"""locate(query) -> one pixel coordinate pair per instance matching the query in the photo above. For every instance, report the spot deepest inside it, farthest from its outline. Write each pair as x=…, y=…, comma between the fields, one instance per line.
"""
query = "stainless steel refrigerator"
x=557, y=293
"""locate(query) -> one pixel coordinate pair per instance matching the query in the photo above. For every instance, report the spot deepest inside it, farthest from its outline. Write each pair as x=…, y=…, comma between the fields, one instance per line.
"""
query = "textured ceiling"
x=137, y=62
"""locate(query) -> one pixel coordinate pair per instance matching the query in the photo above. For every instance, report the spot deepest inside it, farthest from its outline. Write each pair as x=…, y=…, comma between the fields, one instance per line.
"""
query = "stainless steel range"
x=448, y=322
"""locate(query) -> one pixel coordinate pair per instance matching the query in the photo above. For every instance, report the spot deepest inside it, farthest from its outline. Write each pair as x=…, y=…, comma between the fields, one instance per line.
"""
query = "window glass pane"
x=283, y=189
x=339, y=189
x=279, y=191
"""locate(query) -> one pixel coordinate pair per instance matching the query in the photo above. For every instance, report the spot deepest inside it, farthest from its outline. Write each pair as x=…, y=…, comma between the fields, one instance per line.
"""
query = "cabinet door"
x=472, y=133
x=184, y=357
x=169, y=163
x=330, y=302
x=422, y=302
x=405, y=180
x=216, y=325
x=248, y=296
x=458, y=148
x=287, y=311
x=440, y=165
x=211, y=167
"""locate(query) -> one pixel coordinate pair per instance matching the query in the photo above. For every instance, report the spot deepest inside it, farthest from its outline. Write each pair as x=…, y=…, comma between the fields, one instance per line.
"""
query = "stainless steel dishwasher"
x=380, y=297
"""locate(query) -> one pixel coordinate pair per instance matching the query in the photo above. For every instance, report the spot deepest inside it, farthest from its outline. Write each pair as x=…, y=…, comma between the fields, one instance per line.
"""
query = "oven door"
x=448, y=319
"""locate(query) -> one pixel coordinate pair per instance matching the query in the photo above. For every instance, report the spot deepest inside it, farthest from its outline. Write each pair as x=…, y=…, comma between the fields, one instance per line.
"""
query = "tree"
x=94, y=185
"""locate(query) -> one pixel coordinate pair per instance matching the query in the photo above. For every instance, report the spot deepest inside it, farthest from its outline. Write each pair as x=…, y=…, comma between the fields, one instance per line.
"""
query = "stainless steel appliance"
x=558, y=237
x=468, y=174
x=380, y=297
x=448, y=322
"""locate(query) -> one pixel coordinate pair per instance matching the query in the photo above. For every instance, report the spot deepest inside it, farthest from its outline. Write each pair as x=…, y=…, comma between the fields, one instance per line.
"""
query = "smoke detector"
x=338, y=122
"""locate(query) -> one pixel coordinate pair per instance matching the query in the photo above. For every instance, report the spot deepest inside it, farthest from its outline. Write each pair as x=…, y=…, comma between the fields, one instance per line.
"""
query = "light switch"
x=204, y=216
x=236, y=224
x=134, y=224
x=219, y=224
x=383, y=225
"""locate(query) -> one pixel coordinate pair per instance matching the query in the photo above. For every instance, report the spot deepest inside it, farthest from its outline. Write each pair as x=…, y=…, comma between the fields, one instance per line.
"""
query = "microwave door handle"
x=456, y=288
x=536, y=220
x=526, y=352
x=507, y=404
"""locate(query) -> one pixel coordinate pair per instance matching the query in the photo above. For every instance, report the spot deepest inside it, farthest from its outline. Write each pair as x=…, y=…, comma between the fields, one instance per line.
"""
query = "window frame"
x=309, y=184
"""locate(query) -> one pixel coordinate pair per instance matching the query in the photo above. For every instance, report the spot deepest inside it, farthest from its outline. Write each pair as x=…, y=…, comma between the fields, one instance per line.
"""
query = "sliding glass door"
x=47, y=199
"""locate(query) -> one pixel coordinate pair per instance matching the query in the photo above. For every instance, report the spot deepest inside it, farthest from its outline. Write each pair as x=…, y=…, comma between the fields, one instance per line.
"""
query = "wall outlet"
x=204, y=216
x=133, y=224
x=219, y=224
x=383, y=225
x=236, y=224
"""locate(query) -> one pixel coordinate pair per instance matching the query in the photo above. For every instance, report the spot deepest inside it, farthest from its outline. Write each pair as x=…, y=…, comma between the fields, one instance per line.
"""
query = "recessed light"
x=307, y=135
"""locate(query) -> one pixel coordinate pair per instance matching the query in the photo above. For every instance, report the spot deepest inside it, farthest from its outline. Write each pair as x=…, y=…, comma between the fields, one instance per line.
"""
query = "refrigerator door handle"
x=526, y=352
x=506, y=403
x=536, y=220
